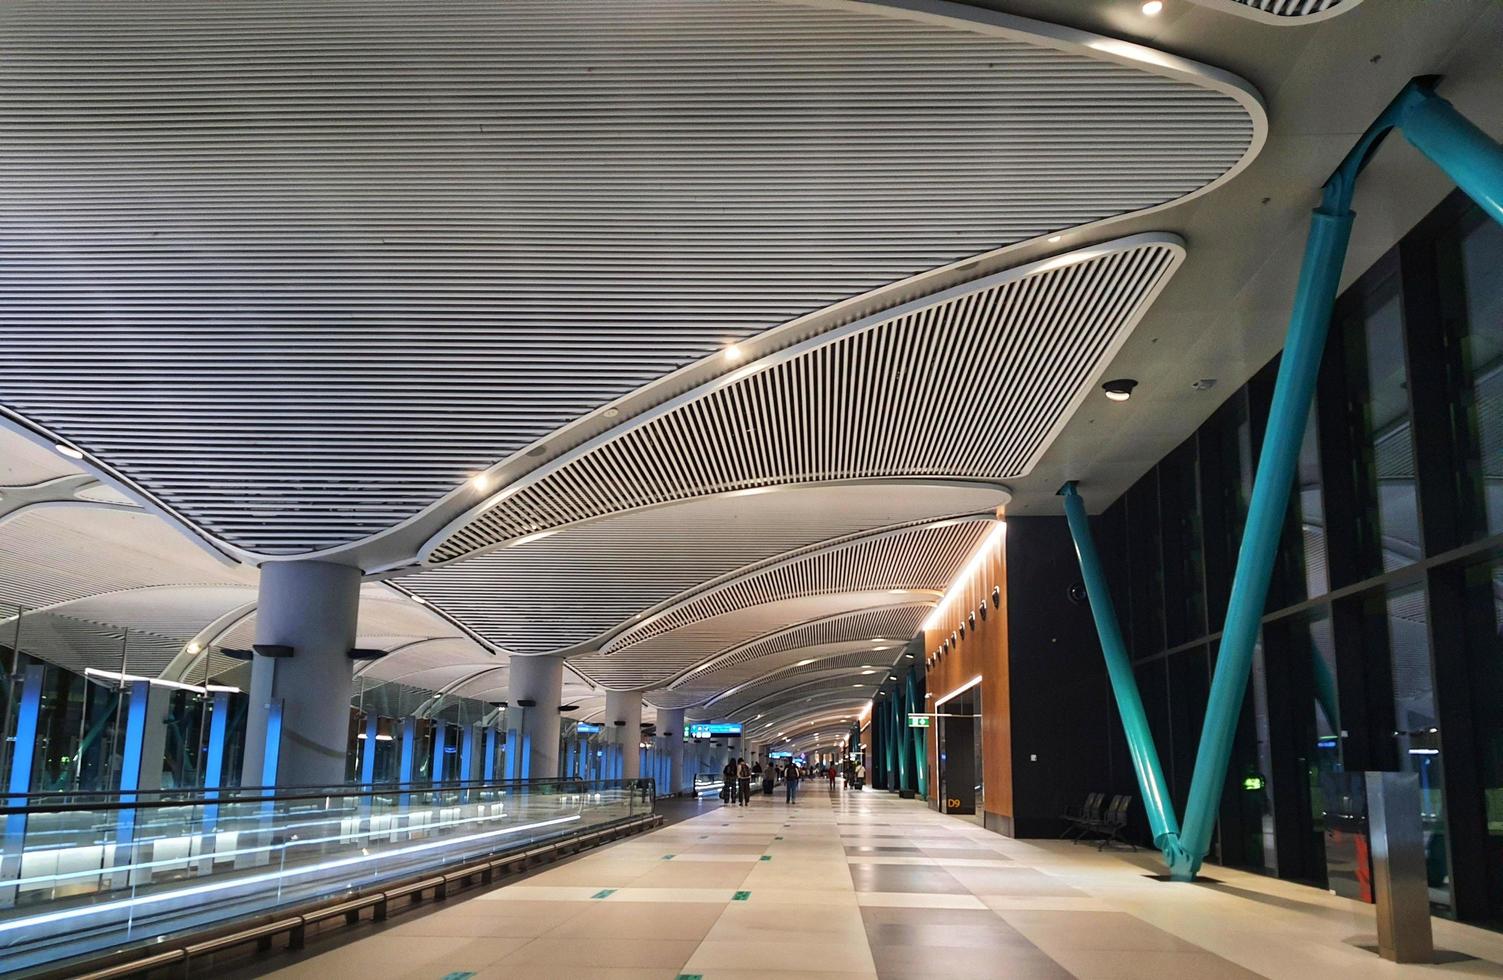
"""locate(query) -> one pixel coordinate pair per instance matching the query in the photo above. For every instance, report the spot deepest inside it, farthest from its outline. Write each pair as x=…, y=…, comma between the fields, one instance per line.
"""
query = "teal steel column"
x=1325, y=249
x=889, y=747
x=1468, y=155
x=920, y=742
x=1140, y=747
x=905, y=739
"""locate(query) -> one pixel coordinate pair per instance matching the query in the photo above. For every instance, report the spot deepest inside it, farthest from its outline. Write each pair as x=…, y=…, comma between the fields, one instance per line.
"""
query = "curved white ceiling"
x=877, y=633
x=574, y=586
x=296, y=272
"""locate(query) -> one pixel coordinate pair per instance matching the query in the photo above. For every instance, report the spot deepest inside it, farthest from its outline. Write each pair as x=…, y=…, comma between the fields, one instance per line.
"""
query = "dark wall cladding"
x=1381, y=647
x=1061, y=705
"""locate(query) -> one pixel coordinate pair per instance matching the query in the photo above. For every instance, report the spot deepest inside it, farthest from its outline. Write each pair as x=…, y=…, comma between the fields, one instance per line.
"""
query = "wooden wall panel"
x=982, y=651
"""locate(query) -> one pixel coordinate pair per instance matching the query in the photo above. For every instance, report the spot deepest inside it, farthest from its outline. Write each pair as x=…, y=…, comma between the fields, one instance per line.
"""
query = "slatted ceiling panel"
x=891, y=622
x=52, y=555
x=655, y=662
x=78, y=644
x=831, y=671
x=432, y=655
x=1007, y=356
x=829, y=704
x=920, y=558
x=177, y=612
x=299, y=269
x=573, y=586
x=723, y=674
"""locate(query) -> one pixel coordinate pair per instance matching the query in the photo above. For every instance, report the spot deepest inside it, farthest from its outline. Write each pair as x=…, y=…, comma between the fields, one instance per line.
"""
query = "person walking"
x=860, y=776
x=790, y=782
x=743, y=781
x=830, y=772
x=769, y=775
x=728, y=778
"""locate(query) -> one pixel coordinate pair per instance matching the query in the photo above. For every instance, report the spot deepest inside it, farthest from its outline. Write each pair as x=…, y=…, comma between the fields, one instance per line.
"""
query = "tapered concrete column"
x=298, y=726
x=626, y=706
x=535, y=686
x=671, y=727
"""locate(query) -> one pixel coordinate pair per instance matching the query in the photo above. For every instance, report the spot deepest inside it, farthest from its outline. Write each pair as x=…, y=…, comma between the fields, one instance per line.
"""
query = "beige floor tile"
x=673, y=895
x=635, y=954
x=1095, y=964
x=749, y=922
x=777, y=957
x=393, y=957
x=640, y=920
x=698, y=874
x=490, y=919
x=918, y=900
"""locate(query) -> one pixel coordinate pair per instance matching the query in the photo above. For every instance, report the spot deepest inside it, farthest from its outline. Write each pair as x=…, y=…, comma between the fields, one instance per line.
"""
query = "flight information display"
x=705, y=729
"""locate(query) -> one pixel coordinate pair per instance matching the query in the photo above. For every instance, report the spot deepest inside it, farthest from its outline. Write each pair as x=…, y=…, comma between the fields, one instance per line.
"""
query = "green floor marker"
x=458, y=975
x=667, y=857
x=740, y=896
x=604, y=893
x=779, y=837
x=767, y=857
x=691, y=976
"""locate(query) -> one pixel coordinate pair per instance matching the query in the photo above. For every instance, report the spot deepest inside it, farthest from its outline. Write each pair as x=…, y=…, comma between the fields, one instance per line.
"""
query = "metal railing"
x=85, y=873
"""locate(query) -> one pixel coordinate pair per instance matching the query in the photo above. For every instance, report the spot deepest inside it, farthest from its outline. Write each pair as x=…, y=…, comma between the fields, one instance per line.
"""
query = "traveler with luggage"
x=791, y=776
x=743, y=782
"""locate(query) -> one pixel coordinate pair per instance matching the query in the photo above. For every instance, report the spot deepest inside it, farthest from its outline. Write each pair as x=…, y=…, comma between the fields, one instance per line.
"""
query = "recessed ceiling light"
x=419, y=600
x=1120, y=389
x=194, y=648
x=733, y=353
x=481, y=481
x=1153, y=8
x=611, y=413
x=68, y=451
x=1055, y=238
x=804, y=663
x=864, y=673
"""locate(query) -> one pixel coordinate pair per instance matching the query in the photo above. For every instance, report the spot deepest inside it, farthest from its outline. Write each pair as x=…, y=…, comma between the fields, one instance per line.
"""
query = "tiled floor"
x=865, y=885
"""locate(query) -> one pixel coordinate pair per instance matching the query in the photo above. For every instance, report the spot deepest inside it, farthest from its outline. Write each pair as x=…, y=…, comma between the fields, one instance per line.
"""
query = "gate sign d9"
x=918, y=721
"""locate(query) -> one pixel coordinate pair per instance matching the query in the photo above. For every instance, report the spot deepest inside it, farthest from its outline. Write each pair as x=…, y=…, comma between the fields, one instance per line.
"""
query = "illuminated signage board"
x=712, y=729
x=585, y=728
x=918, y=721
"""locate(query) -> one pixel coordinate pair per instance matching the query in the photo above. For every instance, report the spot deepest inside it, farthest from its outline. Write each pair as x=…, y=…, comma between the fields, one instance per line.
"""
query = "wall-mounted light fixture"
x=1120, y=389
x=273, y=650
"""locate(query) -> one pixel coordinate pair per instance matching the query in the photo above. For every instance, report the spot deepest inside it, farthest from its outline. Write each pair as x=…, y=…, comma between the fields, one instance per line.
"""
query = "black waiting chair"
x=1079, y=821
x=1108, y=830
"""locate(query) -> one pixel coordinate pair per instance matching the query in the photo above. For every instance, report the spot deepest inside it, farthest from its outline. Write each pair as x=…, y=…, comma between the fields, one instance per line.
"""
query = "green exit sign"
x=918, y=721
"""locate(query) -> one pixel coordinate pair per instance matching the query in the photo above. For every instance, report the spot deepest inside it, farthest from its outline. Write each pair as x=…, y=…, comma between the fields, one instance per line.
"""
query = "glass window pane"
x=1389, y=435
x=1416, y=726
x=1312, y=516
x=1481, y=255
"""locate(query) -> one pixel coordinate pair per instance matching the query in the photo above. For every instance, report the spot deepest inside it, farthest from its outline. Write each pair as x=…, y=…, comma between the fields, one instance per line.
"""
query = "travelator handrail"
x=81, y=878
x=70, y=800
x=1474, y=161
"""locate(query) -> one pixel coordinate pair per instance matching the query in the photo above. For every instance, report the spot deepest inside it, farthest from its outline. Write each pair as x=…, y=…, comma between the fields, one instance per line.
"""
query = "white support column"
x=536, y=686
x=671, y=727
x=623, y=715
x=311, y=608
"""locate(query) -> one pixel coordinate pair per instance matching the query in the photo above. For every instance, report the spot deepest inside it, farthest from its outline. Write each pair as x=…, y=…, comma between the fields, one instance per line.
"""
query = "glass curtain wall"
x=1381, y=644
